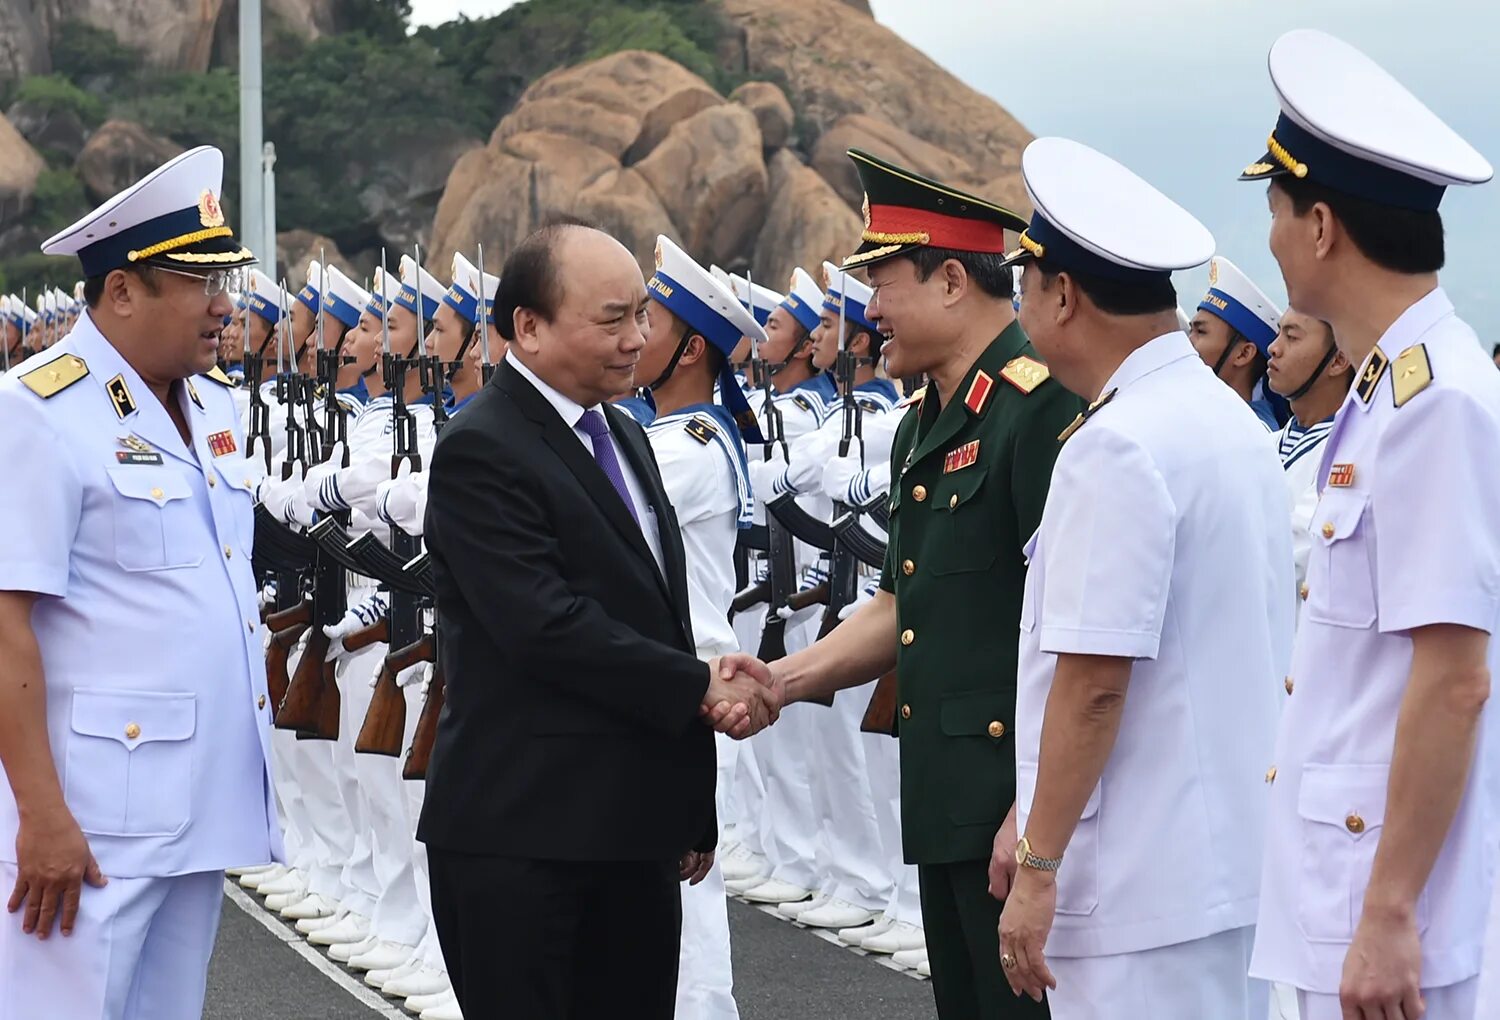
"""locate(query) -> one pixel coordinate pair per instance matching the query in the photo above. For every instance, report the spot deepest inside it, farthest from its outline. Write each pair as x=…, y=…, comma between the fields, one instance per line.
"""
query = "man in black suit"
x=571, y=785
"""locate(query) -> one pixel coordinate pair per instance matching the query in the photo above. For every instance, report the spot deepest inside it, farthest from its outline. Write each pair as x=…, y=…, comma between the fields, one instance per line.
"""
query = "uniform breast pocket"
x=154, y=519
x=1341, y=581
x=964, y=537
x=1342, y=810
x=128, y=765
x=239, y=478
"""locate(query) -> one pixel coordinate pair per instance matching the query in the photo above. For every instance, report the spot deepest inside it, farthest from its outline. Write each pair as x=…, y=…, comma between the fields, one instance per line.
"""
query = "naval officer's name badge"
x=962, y=457
x=137, y=451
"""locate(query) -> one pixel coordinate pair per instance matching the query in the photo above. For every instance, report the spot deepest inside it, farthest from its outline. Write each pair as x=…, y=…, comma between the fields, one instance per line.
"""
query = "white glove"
x=267, y=595
x=284, y=500
x=419, y=673
x=402, y=501
x=838, y=473
x=866, y=593
x=358, y=617
x=354, y=487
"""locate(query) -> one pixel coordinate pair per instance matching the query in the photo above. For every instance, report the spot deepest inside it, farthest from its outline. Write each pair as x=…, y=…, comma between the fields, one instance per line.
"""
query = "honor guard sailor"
x=1382, y=841
x=1154, y=626
x=136, y=719
x=1232, y=332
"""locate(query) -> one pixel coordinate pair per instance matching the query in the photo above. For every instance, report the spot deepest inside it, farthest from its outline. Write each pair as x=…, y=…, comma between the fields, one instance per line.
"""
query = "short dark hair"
x=93, y=287
x=529, y=276
x=1115, y=297
x=1401, y=240
x=986, y=269
x=1494, y=351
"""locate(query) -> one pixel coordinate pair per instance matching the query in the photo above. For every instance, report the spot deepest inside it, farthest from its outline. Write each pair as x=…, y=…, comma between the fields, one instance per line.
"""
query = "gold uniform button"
x=1289, y=685
x=1354, y=823
x=262, y=702
x=249, y=484
x=1327, y=529
x=1302, y=591
x=228, y=553
x=157, y=493
x=919, y=493
x=908, y=636
x=997, y=730
x=908, y=567
x=132, y=731
x=906, y=711
x=1271, y=774
x=212, y=481
x=953, y=501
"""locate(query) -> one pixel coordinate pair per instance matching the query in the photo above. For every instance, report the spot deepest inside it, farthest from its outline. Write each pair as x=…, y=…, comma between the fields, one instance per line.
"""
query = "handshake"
x=743, y=696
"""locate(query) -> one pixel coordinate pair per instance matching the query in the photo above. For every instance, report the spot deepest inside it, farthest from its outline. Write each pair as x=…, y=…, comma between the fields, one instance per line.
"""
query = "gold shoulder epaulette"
x=1025, y=374
x=217, y=375
x=55, y=376
x=701, y=429
x=1411, y=374
x=915, y=397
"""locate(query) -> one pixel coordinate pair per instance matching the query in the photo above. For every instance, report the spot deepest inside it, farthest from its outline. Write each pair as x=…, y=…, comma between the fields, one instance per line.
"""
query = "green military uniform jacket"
x=969, y=483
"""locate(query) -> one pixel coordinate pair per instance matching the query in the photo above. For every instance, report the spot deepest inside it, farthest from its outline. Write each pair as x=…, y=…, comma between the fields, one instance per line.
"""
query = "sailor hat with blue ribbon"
x=413, y=277
x=381, y=298
x=1232, y=297
x=263, y=297
x=311, y=293
x=804, y=299
x=342, y=297
x=1348, y=125
x=171, y=217
x=762, y=300
x=841, y=288
x=463, y=296
x=690, y=292
x=19, y=313
x=1094, y=217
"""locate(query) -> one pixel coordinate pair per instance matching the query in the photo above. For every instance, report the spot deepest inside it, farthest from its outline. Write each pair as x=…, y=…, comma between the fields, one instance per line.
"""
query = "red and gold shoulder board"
x=1025, y=374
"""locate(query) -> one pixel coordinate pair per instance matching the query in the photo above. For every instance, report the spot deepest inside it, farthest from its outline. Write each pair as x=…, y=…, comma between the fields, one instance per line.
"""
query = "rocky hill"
x=721, y=123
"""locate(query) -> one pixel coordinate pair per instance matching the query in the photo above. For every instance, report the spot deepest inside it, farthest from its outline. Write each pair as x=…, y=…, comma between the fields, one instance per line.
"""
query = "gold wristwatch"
x=1026, y=859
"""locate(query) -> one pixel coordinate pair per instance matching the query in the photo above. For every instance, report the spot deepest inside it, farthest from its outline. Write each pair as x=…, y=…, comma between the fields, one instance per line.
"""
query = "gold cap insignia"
x=1213, y=272
x=209, y=212
x=865, y=210
x=658, y=254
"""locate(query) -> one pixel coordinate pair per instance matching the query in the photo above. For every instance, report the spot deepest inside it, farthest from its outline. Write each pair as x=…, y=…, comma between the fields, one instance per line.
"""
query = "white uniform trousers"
x=848, y=855
x=1451, y=1002
x=1197, y=980
x=428, y=949
x=788, y=821
x=399, y=916
x=748, y=794
x=331, y=838
x=705, y=976
x=139, y=951
x=361, y=887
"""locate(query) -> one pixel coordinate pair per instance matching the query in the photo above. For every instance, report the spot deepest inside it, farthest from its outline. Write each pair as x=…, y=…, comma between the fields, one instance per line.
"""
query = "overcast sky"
x=1178, y=92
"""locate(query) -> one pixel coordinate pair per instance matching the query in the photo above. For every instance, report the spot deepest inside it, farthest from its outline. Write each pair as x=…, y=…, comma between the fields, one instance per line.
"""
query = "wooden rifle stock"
x=328, y=702
x=282, y=619
x=880, y=716
x=751, y=596
x=377, y=633
x=420, y=752
x=277, y=653
x=817, y=595
x=301, y=709
x=385, y=722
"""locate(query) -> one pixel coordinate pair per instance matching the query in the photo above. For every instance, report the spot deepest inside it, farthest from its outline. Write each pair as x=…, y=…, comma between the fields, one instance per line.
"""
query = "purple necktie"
x=597, y=429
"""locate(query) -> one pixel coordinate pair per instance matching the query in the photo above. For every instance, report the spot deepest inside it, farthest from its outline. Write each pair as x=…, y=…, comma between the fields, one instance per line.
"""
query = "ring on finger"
x=1008, y=961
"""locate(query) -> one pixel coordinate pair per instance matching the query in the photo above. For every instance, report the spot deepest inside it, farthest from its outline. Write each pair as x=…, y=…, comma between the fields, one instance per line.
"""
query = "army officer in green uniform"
x=969, y=470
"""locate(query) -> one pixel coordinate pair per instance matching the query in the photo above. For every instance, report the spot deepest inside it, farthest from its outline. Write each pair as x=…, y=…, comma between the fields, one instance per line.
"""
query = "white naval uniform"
x=1405, y=537
x=1168, y=546
x=1301, y=450
x=700, y=471
x=157, y=709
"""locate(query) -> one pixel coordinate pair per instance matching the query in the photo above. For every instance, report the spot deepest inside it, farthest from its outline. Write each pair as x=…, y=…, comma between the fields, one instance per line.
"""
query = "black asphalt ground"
x=781, y=973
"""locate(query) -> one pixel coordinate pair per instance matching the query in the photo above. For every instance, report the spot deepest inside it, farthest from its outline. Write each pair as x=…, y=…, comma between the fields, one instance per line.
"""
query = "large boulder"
x=621, y=203
x=120, y=153
x=51, y=128
x=806, y=223
x=610, y=103
x=711, y=179
x=19, y=166
x=295, y=248
x=174, y=34
x=23, y=40
x=773, y=111
x=861, y=67
x=403, y=192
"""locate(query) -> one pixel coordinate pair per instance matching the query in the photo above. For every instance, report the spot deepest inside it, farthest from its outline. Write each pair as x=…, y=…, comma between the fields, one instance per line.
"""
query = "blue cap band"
x=1063, y=253
x=341, y=309
x=803, y=312
x=1240, y=318
x=717, y=330
x=265, y=309
x=853, y=311
x=112, y=252
x=1352, y=175
x=407, y=299
x=308, y=295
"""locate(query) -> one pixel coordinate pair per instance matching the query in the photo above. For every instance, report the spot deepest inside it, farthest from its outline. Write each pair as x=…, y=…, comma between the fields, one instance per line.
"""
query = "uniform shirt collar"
x=1149, y=357
x=570, y=410
x=1409, y=328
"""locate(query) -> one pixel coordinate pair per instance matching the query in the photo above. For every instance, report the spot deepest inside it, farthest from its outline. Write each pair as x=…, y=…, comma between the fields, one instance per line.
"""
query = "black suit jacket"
x=571, y=728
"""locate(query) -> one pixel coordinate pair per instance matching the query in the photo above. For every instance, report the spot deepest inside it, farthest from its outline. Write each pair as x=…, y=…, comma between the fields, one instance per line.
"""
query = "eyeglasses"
x=215, y=282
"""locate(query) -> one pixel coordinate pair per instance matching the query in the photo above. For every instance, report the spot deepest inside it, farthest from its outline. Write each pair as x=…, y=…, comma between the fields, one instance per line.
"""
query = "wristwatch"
x=1026, y=859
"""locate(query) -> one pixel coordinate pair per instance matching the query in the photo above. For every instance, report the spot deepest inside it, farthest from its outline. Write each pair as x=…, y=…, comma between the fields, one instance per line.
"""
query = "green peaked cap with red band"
x=904, y=210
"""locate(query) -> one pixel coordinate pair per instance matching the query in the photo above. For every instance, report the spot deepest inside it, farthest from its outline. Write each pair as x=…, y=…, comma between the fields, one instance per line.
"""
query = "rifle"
x=486, y=309
x=259, y=427
x=377, y=633
x=385, y=723
x=751, y=596
x=817, y=595
x=419, y=754
x=880, y=714
x=843, y=571
x=286, y=627
x=781, y=557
